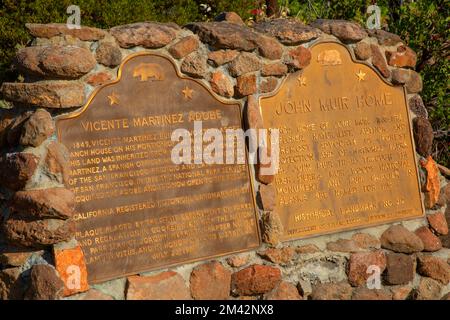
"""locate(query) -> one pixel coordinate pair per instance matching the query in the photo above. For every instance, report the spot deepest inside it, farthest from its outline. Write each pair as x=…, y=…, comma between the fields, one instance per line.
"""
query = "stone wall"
x=62, y=67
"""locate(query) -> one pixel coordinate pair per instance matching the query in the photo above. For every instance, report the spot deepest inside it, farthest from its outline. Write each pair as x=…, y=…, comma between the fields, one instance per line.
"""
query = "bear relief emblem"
x=148, y=71
x=329, y=58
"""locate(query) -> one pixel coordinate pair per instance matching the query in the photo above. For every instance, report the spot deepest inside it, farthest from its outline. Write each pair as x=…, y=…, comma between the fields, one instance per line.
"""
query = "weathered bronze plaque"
x=137, y=209
x=346, y=153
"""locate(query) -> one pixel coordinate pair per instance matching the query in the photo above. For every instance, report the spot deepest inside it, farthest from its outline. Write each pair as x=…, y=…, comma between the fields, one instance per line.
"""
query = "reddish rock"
x=57, y=203
x=308, y=248
x=210, y=281
x=280, y=256
x=298, y=58
x=221, y=84
x=363, y=293
x=438, y=223
x=411, y=79
x=71, y=266
x=167, y=285
x=434, y=267
x=403, y=57
x=268, y=85
x=366, y=241
x=264, y=168
x=399, y=239
x=401, y=292
x=400, y=268
x=194, y=65
x=99, y=78
x=65, y=62
x=184, y=47
x=220, y=57
x=430, y=241
x=385, y=38
x=414, y=84
x=269, y=48
x=431, y=188
x=6, y=119
x=44, y=284
x=231, y=17
x=346, y=31
x=359, y=263
x=287, y=31
x=343, y=245
x=428, y=289
x=379, y=62
x=284, y=291
x=108, y=54
x=254, y=119
x=400, y=76
x=17, y=169
x=225, y=35
x=277, y=69
x=443, y=196
x=46, y=94
x=56, y=29
x=11, y=284
x=268, y=196
x=151, y=35
x=332, y=291
x=416, y=105
x=245, y=85
x=244, y=63
x=37, y=128
x=363, y=50
x=237, y=261
x=14, y=257
x=57, y=162
x=423, y=136
x=37, y=233
x=446, y=296
x=255, y=279
x=272, y=228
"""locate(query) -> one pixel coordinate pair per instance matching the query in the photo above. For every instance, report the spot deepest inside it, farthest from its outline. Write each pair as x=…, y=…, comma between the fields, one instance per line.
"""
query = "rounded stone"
x=399, y=239
x=184, y=47
x=430, y=241
x=150, y=35
x=108, y=54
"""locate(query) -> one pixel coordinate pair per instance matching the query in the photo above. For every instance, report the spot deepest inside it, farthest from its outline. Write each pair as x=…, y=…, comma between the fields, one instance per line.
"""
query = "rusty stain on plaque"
x=347, y=159
x=137, y=210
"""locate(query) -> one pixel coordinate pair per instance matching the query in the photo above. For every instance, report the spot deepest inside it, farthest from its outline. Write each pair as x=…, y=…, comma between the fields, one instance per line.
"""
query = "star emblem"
x=361, y=75
x=113, y=99
x=187, y=92
x=302, y=81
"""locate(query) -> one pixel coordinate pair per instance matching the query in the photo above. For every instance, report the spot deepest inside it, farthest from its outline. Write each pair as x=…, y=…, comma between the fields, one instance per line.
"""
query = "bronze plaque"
x=137, y=209
x=346, y=153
